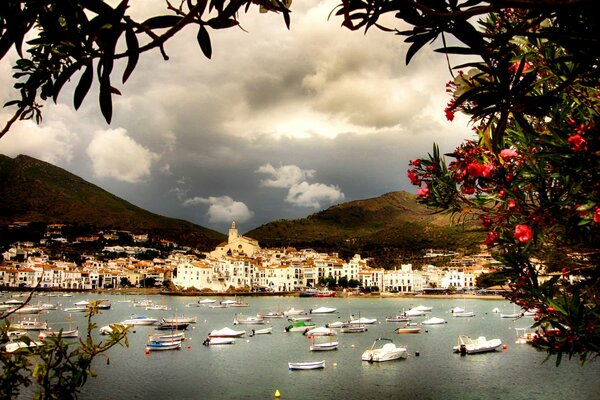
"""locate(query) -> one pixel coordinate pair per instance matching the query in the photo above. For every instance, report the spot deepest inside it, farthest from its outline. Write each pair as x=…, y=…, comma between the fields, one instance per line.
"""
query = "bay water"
x=256, y=367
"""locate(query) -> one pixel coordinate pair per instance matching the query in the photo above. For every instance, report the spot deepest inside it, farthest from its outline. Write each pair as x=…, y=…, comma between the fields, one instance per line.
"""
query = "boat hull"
x=306, y=365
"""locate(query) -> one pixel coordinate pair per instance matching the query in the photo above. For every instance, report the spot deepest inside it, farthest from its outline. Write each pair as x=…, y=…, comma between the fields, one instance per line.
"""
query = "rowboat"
x=171, y=337
x=153, y=346
x=264, y=331
x=323, y=310
x=306, y=365
x=354, y=329
x=180, y=320
x=250, y=320
x=72, y=333
x=408, y=329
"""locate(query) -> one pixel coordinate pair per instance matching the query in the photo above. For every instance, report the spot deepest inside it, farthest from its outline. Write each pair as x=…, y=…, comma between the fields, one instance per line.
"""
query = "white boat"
x=140, y=320
x=75, y=309
x=108, y=329
x=338, y=324
x=218, y=340
x=154, y=346
x=82, y=303
x=496, y=310
x=306, y=365
x=510, y=315
x=217, y=306
x=384, y=350
x=248, y=320
x=530, y=313
x=322, y=345
x=264, y=331
x=464, y=314
x=226, y=332
x=271, y=315
x=71, y=333
x=362, y=321
x=27, y=325
x=293, y=311
x=323, y=310
x=414, y=313
x=300, y=318
x=457, y=310
x=28, y=310
x=466, y=345
x=434, y=321
x=156, y=307
x=180, y=320
x=354, y=329
x=207, y=301
x=397, y=318
x=320, y=331
x=171, y=337
x=234, y=303
x=48, y=306
x=14, y=346
x=423, y=308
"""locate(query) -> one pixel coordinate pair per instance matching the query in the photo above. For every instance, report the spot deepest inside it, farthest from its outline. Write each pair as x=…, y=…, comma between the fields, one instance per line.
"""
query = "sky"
x=278, y=124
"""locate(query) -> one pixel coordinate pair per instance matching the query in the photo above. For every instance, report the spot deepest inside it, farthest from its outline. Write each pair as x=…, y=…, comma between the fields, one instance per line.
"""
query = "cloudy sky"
x=278, y=124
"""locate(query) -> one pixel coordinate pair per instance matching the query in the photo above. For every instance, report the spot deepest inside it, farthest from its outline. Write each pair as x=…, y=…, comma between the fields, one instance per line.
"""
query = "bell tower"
x=233, y=233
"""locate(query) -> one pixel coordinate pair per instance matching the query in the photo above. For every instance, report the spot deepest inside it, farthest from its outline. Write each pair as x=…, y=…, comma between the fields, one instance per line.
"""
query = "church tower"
x=233, y=233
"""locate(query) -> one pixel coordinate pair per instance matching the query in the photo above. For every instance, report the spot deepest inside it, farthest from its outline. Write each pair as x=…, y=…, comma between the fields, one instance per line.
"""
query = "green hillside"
x=386, y=226
x=36, y=191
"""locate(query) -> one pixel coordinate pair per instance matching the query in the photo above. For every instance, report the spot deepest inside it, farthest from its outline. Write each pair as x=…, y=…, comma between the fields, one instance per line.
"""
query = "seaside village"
x=239, y=264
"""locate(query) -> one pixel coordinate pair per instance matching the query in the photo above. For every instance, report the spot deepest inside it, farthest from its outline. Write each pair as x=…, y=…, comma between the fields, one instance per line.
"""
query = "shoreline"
x=157, y=291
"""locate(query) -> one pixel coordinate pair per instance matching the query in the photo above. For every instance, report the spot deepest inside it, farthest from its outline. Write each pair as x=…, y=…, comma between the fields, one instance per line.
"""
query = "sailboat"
x=514, y=314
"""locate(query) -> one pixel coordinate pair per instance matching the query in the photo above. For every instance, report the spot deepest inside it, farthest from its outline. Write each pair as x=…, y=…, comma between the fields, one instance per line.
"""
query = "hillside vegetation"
x=36, y=191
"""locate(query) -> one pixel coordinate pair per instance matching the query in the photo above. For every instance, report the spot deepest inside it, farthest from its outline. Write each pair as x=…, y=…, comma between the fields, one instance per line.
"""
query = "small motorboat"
x=384, y=349
x=423, y=308
x=300, y=326
x=207, y=301
x=320, y=331
x=338, y=324
x=172, y=326
x=408, y=329
x=354, y=329
x=434, y=321
x=140, y=320
x=457, y=310
x=414, y=313
x=248, y=320
x=264, y=331
x=76, y=309
x=293, y=311
x=108, y=329
x=300, y=318
x=211, y=341
x=271, y=315
x=71, y=333
x=323, y=310
x=362, y=321
x=27, y=325
x=466, y=345
x=323, y=346
x=464, y=314
x=397, y=318
x=226, y=333
x=154, y=346
x=180, y=320
x=15, y=346
x=306, y=365
x=171, y=337
x=159, y=307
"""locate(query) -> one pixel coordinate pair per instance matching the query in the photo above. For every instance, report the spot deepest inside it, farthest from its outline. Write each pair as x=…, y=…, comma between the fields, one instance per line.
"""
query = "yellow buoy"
x=277, y=394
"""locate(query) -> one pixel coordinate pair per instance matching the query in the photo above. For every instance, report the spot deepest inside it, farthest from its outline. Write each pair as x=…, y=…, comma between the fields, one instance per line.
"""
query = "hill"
x=391, y=225
x=36, y=191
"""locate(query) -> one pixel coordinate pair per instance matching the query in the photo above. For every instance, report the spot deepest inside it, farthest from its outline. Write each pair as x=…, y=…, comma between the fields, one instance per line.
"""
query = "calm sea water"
x=255, y=367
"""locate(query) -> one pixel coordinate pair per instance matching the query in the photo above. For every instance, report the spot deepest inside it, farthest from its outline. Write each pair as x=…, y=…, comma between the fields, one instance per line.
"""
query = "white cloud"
x=222, y=209
x=285, y=176
x=116, y=155
x=313, y=194
x=53, y=143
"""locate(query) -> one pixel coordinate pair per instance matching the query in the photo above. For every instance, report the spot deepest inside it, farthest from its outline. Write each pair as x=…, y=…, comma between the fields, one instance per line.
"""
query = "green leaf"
x=85, y=82
x=133, y=48
x=417, y=42
x=161, y=21
x=204, y=41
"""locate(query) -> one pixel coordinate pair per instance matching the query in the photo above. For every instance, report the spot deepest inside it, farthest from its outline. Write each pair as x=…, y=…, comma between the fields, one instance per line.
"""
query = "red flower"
x=511, y=204
x=597, y=215
x=416, y=163
x=414, y=178
x=449, y=114
x=577, y=143
x=486, y=222
x=468, y=189
x=523, y=233
x=491, y=238
x=475, y=170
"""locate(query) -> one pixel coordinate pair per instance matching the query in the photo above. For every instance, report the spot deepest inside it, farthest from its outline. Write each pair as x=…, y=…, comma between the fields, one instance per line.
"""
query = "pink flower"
x=423, y=192
x=577, y=143
x=507, y=154
x=523, y=233
x=414, y=178
x=597, y=215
